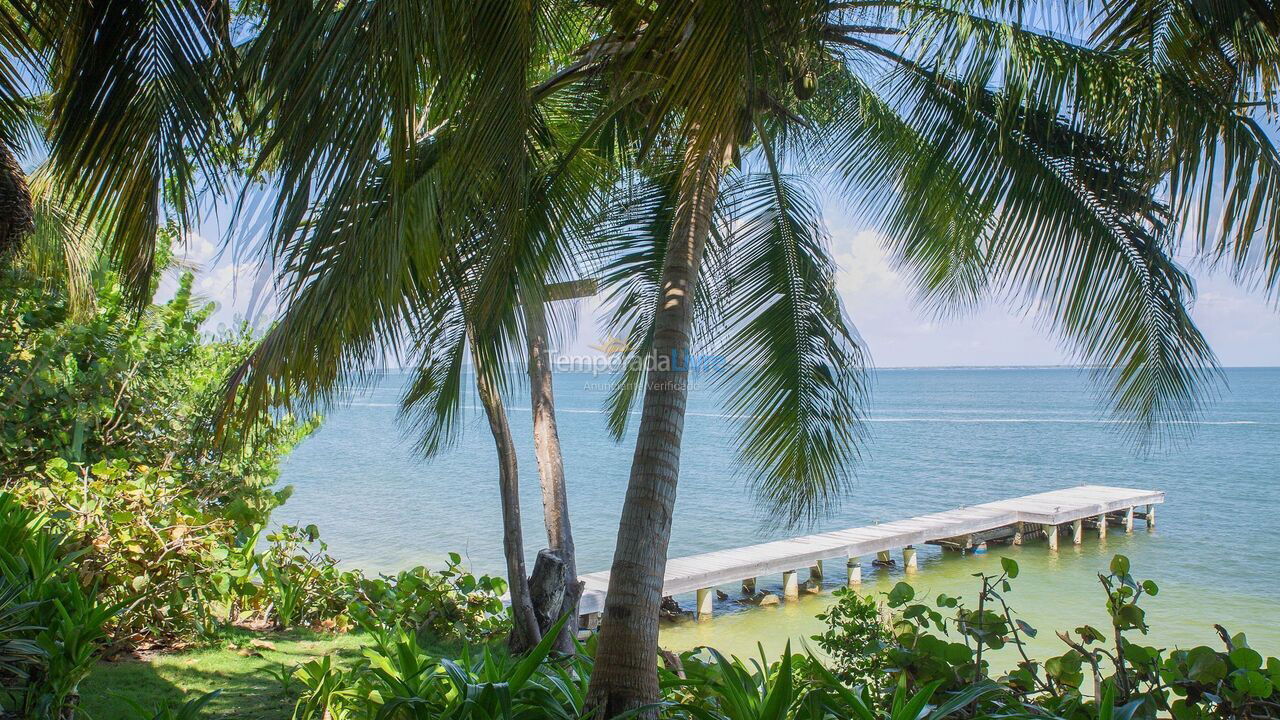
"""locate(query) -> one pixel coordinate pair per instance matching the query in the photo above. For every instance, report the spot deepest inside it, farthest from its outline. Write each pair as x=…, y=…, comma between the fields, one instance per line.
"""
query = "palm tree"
x=991, y=154
x=397, y=229
x=128, y=101
x=995, y=159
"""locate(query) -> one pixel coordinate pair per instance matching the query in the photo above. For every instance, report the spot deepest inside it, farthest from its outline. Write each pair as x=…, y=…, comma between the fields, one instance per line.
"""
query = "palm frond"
x=136, y=113
x=1068, y=229
x=794, y=368
x=1183, y=92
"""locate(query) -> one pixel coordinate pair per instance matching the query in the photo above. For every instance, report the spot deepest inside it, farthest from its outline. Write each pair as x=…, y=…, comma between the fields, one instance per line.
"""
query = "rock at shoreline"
x=670, y=609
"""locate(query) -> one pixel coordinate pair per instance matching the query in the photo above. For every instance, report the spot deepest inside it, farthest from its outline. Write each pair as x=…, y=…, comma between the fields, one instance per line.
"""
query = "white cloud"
x=221, y=279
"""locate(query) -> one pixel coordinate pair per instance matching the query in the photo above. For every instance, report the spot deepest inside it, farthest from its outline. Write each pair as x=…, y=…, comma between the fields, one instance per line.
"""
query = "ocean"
x=937, y=439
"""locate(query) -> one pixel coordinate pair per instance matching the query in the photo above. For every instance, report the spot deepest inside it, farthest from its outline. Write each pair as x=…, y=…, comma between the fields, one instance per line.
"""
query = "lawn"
x=241, y=670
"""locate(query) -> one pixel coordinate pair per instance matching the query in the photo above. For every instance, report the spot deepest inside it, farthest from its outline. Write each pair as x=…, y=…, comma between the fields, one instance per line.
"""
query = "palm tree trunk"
x=524, y=632
x=625, y=675
x=546, y=444
x=16, y=214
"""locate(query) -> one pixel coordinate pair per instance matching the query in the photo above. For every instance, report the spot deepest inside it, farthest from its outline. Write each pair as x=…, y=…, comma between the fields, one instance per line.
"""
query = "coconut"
x=805, y=85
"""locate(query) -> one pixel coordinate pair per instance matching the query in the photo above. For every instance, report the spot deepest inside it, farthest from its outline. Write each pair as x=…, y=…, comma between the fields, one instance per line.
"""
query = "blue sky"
x=1242, y=328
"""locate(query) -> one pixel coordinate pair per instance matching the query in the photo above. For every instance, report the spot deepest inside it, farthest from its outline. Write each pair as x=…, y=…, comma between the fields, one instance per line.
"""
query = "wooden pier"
x=1051, y=513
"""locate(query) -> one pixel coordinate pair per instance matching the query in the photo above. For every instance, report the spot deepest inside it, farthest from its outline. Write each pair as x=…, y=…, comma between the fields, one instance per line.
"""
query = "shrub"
x=935, y=656
x=449, y=604
x=857, y=639
x=55, y=624
x=301, y=583
x=105, y=427
x=397, y=679
x=946, y=645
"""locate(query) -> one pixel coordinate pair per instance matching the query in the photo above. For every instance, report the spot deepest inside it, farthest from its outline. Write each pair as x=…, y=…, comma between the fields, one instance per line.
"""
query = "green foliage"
x=106, y=429
x=397, y=676
x=189, y=710
x=856, y=639
x=449, y=604
x=301, y=583
x=945, y=646
x=55, y=626
x=397, y=679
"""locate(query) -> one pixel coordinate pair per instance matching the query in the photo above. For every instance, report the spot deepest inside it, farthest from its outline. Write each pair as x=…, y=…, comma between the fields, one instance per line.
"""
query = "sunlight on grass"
x=243, y=672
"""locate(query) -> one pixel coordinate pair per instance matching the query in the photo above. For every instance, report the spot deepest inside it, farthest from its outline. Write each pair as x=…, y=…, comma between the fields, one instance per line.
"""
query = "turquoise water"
x=939, y=438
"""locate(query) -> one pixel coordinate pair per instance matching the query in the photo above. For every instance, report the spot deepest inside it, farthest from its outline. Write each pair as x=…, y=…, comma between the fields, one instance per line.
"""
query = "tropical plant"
x=1058, y=168
x=59, y=624
x=436, y=605
x=189, y=710
x=856, y=639
x=398, y=680
x=102, y=427
x=129, y=103
x=928, y=674
x=992, y=164
x=17, y=651
x=433, y=302
x=301, y=580
x=1101, y=675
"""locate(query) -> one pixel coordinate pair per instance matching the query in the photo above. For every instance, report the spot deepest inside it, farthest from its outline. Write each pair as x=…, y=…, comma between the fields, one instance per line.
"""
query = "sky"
x=1240, y=325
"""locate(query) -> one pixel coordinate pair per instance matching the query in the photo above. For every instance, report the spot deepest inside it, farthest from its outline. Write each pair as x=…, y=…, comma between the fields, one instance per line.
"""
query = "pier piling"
x=706, y=597
x=790, y=585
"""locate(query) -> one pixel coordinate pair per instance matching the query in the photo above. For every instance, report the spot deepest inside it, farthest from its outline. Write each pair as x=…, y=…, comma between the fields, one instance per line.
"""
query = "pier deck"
x=1051, y=512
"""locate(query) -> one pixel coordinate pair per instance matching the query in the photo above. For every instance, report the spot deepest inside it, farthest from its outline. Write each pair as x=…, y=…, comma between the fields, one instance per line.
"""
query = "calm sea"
x=939, y=438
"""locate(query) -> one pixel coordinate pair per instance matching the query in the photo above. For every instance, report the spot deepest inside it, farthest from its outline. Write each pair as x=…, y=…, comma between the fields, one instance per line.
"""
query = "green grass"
x=248, y=689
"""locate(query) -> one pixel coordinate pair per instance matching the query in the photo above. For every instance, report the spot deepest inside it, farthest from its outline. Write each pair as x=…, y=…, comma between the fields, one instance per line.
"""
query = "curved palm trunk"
x=524, y=632
x=546, y=443
x=625, y=675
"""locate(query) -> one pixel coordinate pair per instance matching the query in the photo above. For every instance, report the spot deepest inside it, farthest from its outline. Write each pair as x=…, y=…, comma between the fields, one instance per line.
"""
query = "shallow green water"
x=1053, y=591
x=938, y=439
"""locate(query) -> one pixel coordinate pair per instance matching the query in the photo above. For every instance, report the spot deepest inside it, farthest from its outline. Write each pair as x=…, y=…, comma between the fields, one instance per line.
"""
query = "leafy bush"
x=105, y=427
x=301, y=584
x=857, y=639
x=54, y=625
x=449, y=604
x=946, y=645
x=396, y=679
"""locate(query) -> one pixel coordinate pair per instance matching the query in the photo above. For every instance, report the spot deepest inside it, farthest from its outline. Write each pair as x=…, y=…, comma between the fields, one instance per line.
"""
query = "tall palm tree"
x=400, y=229
x=995, y=159
x=991, y=154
